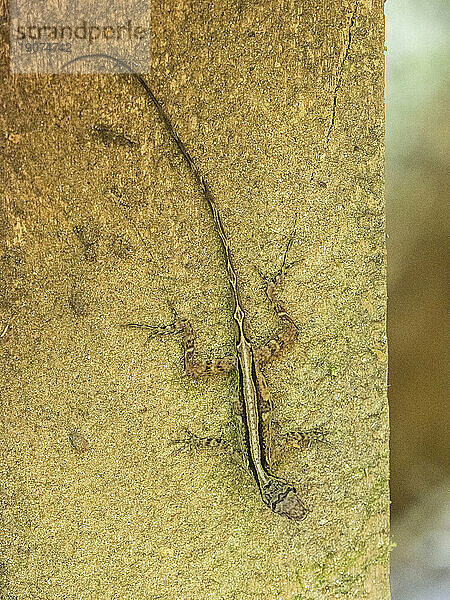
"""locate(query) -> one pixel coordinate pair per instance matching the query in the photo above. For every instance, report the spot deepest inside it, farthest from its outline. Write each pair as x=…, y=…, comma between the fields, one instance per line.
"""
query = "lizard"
x=277, y=493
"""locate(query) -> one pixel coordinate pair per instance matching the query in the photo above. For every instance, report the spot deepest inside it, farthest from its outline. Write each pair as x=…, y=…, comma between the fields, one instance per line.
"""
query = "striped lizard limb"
x=289, y=333
x=277, y=493
x=192, y=367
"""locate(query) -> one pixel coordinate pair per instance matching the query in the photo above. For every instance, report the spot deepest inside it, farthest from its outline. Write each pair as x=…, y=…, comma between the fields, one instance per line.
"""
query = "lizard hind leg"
x=192, y=367
x=175, y=326
x=289, y=333
x=156, y=330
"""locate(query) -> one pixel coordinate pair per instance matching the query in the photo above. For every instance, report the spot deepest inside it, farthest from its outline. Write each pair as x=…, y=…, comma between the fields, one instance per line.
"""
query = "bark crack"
x=340, y=70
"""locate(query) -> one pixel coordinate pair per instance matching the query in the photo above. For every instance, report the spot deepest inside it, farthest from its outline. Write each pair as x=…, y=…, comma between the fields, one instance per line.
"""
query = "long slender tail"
x=198, y=175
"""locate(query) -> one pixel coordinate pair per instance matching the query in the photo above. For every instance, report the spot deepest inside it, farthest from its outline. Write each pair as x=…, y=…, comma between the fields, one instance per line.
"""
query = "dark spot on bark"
x=121, y=247
x=78, y=441
x=109, y=137
x=78, y=304
x=89, y=236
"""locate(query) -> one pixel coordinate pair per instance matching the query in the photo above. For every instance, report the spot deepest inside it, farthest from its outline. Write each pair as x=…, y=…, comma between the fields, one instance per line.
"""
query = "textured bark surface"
x=281, y=106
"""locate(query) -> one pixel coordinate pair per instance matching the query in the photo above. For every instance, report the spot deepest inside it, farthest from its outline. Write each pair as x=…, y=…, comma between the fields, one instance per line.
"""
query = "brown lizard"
x=277, y=493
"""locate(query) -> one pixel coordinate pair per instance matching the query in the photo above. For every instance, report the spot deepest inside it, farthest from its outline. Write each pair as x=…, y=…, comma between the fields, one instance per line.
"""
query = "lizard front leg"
x=273, y=437
x=299, y=439
x=192, y=441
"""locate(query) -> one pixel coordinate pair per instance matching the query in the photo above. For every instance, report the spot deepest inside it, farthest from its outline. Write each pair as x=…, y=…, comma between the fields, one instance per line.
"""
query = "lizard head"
x=282, y=498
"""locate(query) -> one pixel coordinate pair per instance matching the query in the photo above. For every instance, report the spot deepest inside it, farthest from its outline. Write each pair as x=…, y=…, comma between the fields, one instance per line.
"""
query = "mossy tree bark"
x=281, y=104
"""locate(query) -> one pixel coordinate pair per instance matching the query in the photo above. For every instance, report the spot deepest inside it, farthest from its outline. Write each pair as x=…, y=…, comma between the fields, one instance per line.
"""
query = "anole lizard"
x=277, y=493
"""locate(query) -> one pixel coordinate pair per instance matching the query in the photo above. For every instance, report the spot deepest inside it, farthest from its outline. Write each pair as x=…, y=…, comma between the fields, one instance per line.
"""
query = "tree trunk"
x=281, y=106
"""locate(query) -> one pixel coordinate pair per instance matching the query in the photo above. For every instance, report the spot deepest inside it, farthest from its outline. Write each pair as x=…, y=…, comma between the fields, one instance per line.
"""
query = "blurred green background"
x=417, y=123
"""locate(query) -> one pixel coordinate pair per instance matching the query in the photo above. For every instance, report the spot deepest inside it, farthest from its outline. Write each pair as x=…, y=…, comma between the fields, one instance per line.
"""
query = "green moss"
x=378, y=496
